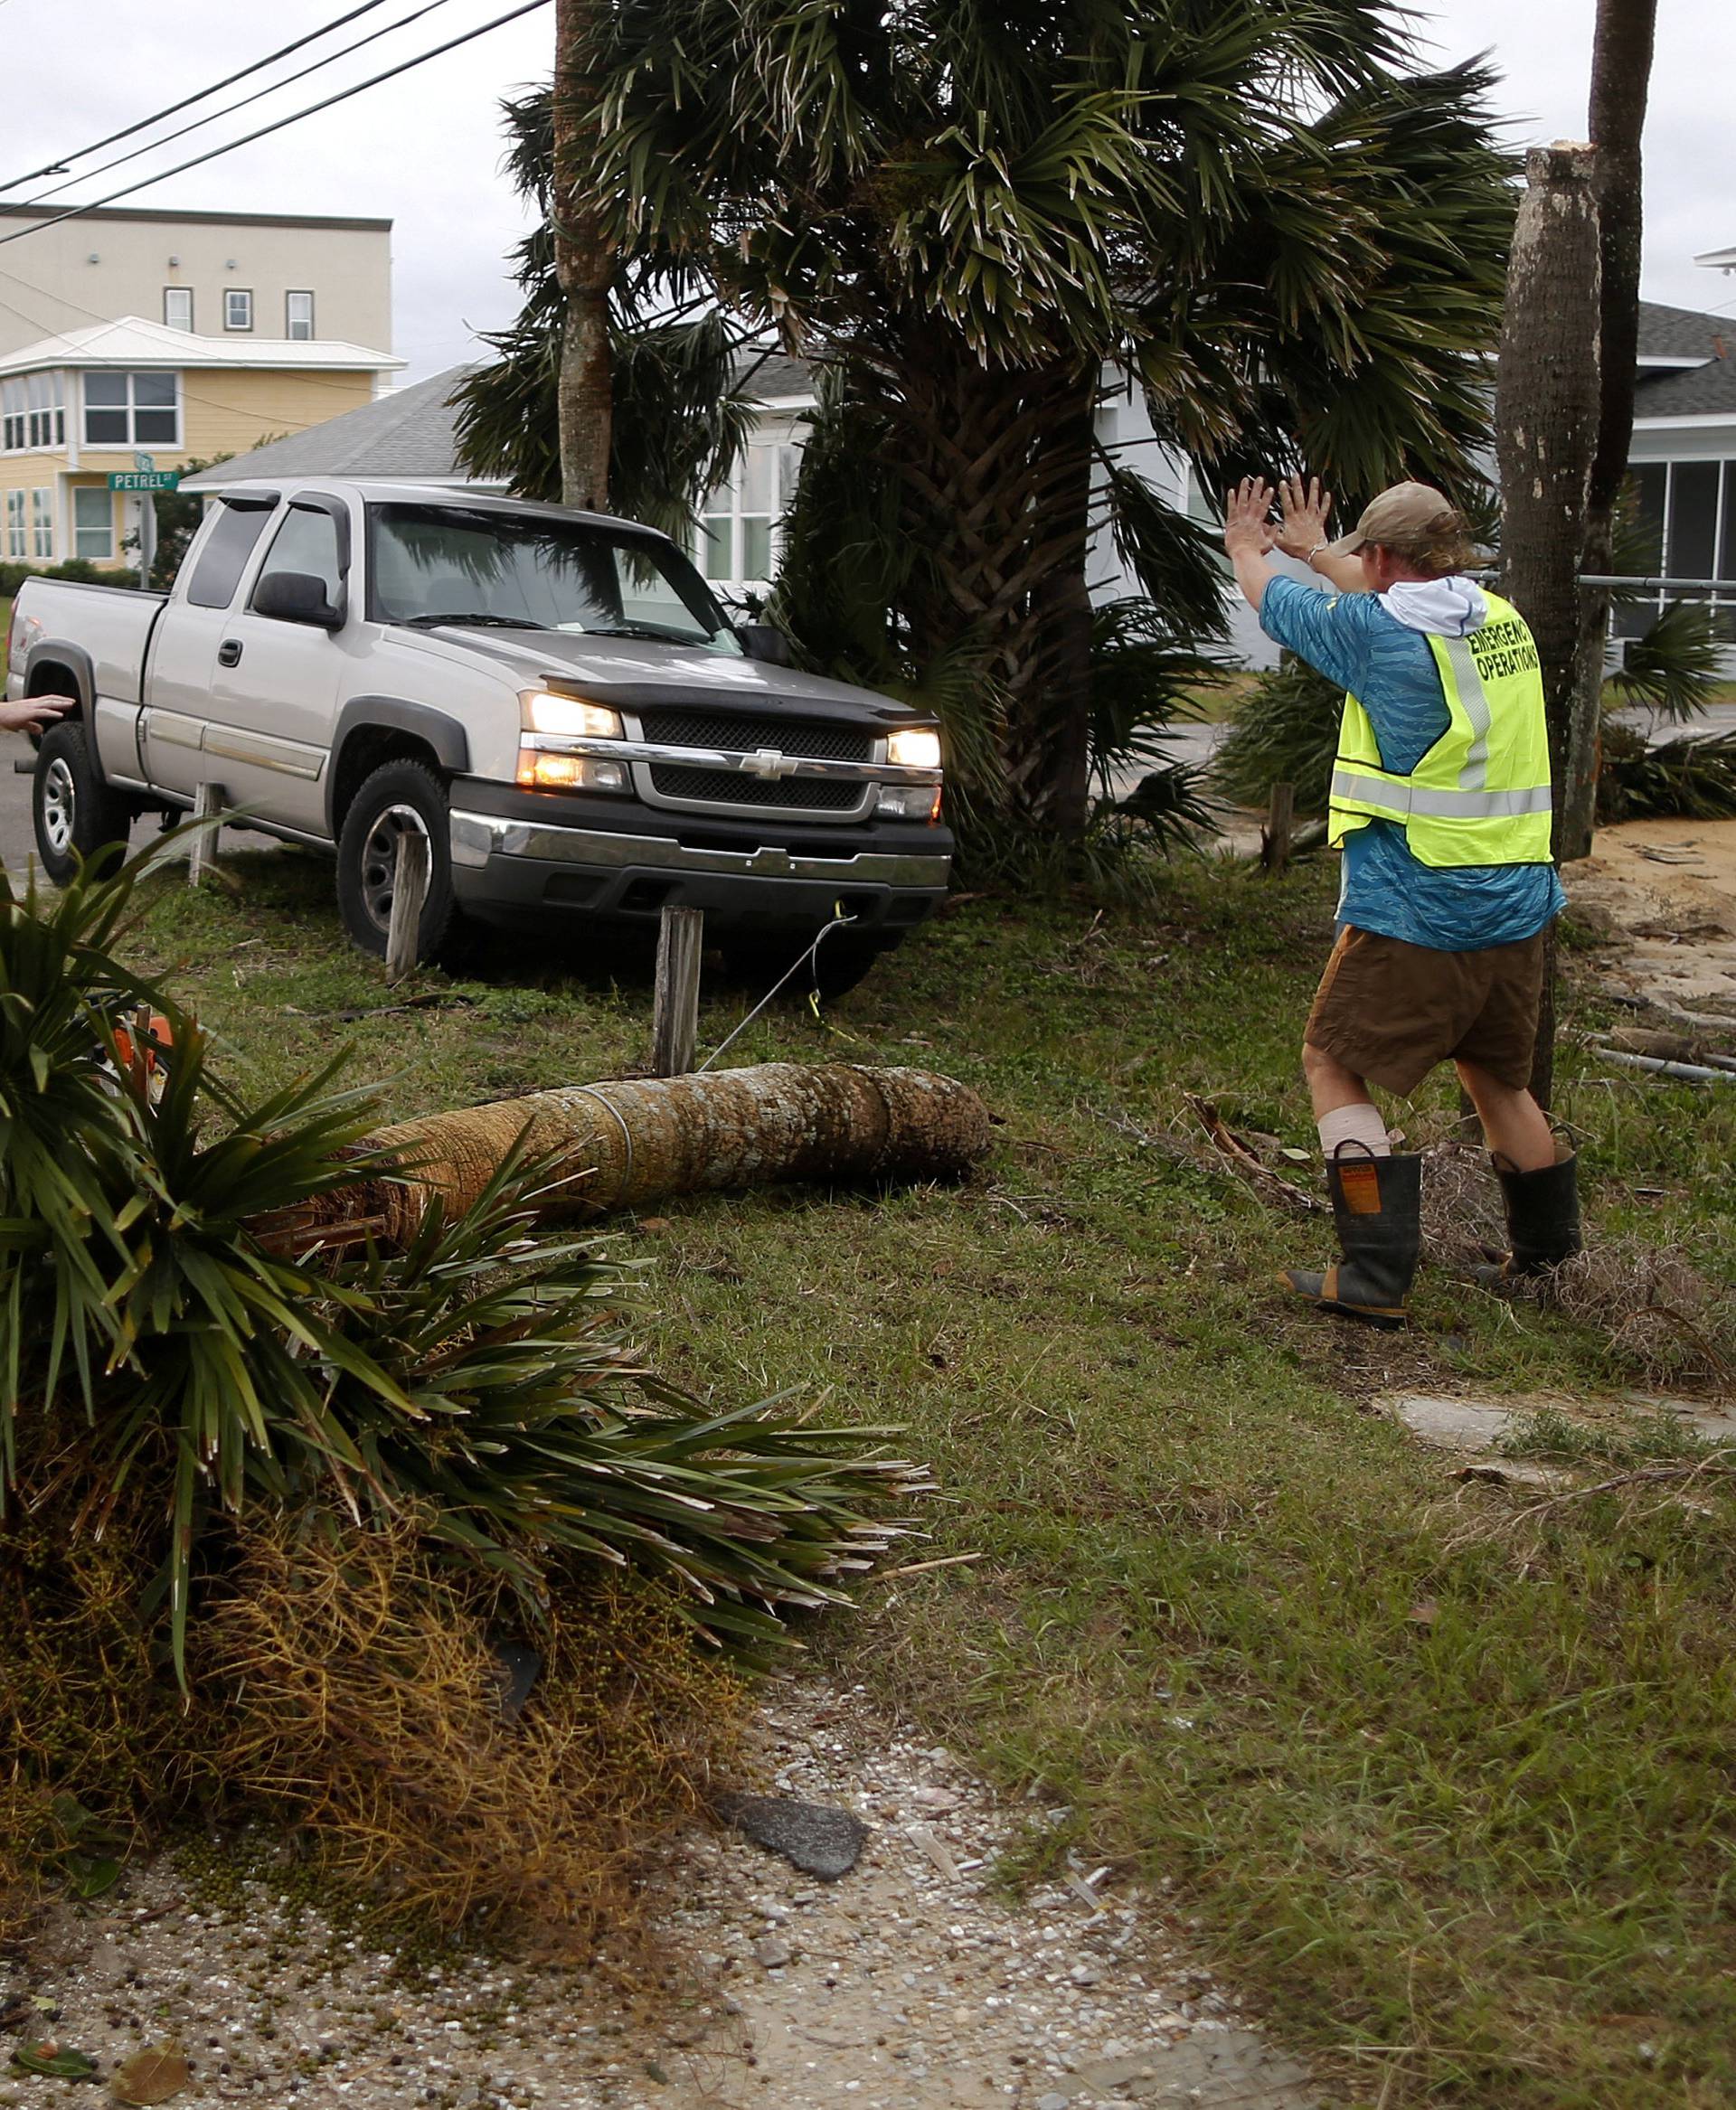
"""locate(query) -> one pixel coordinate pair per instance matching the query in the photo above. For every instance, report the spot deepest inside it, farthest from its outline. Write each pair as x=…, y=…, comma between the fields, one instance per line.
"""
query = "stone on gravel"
x=772, y=1953
x=1231, y=2068
x=820, y=1841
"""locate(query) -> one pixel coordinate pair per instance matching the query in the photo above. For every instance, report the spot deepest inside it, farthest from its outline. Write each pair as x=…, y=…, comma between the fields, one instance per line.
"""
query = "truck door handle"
x=229, y=653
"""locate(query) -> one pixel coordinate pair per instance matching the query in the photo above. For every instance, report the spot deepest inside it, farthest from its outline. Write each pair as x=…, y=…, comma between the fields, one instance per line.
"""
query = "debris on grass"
x=1663, y=1321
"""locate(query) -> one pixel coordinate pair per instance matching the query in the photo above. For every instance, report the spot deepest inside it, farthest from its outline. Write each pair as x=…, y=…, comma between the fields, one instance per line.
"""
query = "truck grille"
x=736, y=734
x=725, y=788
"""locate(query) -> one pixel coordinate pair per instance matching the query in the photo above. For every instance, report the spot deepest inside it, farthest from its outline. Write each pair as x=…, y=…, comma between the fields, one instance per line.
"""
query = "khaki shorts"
x=1390, y=1011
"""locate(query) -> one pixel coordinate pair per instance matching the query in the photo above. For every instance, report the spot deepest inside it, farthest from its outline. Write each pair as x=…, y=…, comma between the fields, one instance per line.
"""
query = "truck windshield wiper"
x=474, y=622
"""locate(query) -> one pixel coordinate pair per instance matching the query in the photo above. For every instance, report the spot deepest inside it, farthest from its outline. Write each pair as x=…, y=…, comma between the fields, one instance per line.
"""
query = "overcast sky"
x=425, y=150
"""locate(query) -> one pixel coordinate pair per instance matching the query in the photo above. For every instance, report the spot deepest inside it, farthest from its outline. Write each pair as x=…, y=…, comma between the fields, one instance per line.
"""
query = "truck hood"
x=635, y=670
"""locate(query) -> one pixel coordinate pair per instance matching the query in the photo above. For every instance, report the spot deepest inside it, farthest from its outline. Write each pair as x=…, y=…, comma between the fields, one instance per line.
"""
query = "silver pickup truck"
x=554, y=698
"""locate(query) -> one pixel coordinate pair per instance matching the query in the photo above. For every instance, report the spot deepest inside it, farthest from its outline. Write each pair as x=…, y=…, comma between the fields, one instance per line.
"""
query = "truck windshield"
x=433, y=564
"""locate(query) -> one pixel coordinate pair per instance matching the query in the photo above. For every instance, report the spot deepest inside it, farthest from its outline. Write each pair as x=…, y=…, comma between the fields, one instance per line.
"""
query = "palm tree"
x=981, y=222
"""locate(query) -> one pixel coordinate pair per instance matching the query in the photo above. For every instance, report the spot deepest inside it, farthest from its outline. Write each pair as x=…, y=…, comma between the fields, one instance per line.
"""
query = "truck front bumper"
x=504, y=867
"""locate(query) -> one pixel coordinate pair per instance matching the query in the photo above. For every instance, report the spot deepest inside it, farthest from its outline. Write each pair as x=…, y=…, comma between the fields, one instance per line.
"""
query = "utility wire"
x=187, y=101
x=229, y=110
x=264, y=131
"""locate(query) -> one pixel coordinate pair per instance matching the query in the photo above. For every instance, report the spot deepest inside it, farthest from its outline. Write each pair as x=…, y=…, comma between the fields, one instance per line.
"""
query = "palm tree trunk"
x=1055, y=767
x=1548, y=401
x=996, y=468
x=584, y=265
x=1621, y=65
x=634, y=1141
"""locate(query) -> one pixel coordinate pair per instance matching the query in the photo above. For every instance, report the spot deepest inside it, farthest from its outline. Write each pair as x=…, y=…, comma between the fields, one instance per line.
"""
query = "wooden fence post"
x=408, y=892
x=1274, y=836
x=202, y=851
x=674, y=1029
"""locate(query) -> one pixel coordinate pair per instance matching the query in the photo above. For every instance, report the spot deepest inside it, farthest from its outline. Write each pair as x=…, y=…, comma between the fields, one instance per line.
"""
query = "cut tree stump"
x=675, y=1027
x=408, y=892
x=208, y=801
x=626, y=1142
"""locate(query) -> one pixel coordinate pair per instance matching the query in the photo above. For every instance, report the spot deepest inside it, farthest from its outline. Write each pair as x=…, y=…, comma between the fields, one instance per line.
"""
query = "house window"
x=132, y=409
x=32, y=411
x=299, y=316
x=42, y=524
x=1686, y=529
x=177, y=307
x=93, y=522
x=738, y=538
x=238, y=308
x=17, y=533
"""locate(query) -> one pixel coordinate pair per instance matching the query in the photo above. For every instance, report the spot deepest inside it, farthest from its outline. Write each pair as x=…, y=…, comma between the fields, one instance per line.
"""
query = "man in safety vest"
x=1440, y=800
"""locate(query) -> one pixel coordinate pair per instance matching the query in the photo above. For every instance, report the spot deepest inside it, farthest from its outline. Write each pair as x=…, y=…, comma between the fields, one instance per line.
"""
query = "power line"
x=264, y=131
x=229, y=110
x=187, y=101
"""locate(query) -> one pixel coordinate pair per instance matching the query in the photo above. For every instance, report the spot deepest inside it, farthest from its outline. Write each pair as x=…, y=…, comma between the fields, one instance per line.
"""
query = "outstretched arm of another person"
x=35, y=713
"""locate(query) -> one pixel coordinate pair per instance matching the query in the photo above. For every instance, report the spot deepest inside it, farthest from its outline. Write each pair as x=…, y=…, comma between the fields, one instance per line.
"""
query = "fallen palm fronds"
x=211, y=1443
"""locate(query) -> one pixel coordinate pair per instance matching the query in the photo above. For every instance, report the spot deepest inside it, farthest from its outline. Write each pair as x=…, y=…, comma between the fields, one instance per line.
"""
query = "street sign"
x=145, y=480
x=144, y=461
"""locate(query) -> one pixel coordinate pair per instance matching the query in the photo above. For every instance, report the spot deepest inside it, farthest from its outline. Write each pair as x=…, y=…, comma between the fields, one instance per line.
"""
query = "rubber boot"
x=1543, y=1219
x=1377, y=1207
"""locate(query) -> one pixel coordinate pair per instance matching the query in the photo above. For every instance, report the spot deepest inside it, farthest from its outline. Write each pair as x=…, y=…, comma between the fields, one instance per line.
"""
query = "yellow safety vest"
x=1480, y=796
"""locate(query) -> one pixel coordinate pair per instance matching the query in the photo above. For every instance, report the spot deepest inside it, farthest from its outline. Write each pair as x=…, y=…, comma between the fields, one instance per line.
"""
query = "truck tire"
x=396, y=796
x=75, y=812
x=842, y=961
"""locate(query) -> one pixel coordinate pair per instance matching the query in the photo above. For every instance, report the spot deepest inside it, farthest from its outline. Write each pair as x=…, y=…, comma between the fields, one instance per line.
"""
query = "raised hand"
x=1246, y=528
x=1305, y=508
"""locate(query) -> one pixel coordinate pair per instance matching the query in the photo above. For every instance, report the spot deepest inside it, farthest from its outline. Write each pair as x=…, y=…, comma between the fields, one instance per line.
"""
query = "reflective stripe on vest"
x=1401, y=798
x=1481, y=793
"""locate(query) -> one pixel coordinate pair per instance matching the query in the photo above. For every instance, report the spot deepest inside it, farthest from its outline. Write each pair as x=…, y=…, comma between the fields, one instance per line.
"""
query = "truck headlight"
x=570, y=715
x=914, y=747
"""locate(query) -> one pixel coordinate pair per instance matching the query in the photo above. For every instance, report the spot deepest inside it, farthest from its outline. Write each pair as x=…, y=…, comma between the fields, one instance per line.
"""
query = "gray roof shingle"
x=1707, y=390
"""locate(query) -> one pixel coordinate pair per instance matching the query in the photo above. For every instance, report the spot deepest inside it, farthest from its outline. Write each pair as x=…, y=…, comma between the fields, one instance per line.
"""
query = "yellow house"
x=78, y=408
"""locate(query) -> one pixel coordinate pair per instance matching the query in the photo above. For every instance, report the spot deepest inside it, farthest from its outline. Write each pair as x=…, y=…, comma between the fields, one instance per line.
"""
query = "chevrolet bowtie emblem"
x=767, y=763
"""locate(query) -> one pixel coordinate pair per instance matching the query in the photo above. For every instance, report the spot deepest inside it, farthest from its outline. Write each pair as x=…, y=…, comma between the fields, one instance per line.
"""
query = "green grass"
x=1478, y=1857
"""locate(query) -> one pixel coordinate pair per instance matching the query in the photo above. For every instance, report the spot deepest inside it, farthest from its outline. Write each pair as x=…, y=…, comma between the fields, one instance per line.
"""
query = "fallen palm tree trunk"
x=629, y=1141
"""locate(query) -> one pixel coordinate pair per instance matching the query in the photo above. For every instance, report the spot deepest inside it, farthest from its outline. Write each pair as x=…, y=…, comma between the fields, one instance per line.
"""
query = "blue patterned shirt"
x=1389, y=668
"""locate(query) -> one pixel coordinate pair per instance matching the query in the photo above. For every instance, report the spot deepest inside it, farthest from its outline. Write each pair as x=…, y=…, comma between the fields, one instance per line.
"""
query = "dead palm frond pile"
x=266, y=1514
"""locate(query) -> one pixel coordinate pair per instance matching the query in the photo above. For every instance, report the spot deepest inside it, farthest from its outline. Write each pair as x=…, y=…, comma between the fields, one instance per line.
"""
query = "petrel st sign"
x=145, y=480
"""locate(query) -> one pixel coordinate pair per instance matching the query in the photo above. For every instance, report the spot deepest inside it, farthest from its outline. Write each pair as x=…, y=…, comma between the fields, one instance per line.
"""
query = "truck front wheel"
x=397, y=799
x=75, y=812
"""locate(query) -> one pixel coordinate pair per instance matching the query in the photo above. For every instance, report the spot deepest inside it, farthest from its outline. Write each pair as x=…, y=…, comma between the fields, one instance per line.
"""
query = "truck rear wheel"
x=75, y=812
x=397, y=797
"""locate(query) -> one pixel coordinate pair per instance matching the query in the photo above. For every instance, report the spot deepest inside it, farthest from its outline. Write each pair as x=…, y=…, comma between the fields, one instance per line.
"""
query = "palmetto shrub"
x=1285, y=731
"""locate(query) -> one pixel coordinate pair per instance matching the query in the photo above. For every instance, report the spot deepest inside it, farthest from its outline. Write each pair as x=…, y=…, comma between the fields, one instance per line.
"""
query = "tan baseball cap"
x=1396, y=516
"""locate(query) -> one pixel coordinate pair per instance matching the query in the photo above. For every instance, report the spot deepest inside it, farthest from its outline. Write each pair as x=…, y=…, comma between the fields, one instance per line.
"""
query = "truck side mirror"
x=297, y=596
x=766, y=641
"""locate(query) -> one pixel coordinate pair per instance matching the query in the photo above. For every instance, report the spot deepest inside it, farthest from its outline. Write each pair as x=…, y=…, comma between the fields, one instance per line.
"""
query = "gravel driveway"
x=909, y=1984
